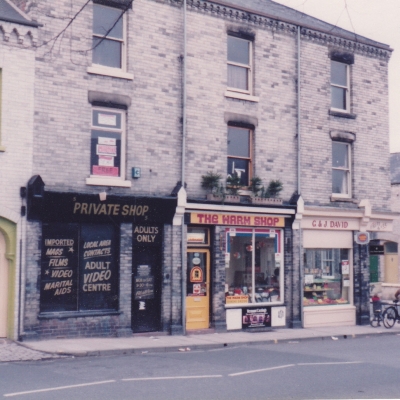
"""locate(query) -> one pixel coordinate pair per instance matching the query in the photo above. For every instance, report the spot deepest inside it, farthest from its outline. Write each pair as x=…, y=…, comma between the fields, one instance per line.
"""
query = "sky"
x=375, y=19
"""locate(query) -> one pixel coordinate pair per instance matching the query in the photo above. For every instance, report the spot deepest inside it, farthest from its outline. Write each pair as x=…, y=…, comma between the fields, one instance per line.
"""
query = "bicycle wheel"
x=389, y=317
x=376, y=320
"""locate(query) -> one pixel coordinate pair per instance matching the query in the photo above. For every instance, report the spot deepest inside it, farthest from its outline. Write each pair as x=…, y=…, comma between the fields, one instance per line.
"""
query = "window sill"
x=2, y=149
x=242, y=96
x=113, y=72
x=75, y=314
x=108, y=182
x=342, y=114
x=343, y=199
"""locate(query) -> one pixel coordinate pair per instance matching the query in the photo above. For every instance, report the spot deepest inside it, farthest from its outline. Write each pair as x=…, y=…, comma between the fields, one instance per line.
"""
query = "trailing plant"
x=211, y=181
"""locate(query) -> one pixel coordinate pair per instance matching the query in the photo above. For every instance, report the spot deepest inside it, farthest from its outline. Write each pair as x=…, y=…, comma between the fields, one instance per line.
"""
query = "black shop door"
x=146, y=289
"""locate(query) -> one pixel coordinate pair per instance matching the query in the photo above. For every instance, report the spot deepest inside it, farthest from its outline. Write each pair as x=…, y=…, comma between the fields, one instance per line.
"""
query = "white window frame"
x=348, y=170
x=346, y=88
x=249, y=67
x=109, y=180
x=100, y=69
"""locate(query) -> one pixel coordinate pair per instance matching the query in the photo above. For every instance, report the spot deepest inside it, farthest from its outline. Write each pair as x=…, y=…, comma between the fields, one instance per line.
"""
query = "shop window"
x=254, y=266
x=340, y=86
x=198, y=236
x=107, y=147
x=341, y=171
x=108, y=36
x=326, y=277
x=239, y=64
x=239, y=153
x=79, y=268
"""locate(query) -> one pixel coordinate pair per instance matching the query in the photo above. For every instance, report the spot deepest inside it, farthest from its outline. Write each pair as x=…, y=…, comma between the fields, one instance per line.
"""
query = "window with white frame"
x=254, y=266
x=108, y=37
x=239, y=64
x=107, y=148
x=340, y=86
x=327, y=277
x=341, y=169
x=239, y=153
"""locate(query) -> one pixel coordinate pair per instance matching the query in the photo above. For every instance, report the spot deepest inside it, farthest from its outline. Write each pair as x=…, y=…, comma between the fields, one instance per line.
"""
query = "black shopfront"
x=100, y=260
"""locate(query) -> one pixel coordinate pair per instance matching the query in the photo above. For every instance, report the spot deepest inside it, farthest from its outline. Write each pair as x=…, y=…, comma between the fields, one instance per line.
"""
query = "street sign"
x=362, y=237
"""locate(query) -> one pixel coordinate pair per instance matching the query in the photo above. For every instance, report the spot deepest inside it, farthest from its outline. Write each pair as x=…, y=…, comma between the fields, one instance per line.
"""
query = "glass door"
x=198, y=289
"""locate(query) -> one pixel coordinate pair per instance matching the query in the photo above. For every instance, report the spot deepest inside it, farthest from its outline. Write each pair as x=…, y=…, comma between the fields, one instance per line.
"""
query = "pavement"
x=159, y=342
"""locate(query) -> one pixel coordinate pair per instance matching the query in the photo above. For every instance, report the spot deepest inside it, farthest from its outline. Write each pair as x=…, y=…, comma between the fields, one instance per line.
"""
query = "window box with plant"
x=262, y=195
x=217, y=192
x=233, y=185
x=211, y=182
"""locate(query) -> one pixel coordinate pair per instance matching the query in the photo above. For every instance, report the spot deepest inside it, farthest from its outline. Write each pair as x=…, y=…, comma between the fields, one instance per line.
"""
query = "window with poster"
x=254, y=266
x=107, y=147
x=326, y=277
x=79, y=268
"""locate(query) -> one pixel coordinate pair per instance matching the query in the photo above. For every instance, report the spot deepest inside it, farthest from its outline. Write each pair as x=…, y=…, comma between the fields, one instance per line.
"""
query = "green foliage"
x=256, y=185
x=210, y=181
x=233, y=184
x=273, y=189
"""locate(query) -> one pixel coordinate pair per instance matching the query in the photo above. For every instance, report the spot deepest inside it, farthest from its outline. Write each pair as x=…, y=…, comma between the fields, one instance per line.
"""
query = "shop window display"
x=326, y=277
x=253, y=266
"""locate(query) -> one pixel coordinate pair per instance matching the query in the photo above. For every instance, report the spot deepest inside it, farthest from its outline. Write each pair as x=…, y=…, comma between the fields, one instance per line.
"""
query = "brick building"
x=134, y=97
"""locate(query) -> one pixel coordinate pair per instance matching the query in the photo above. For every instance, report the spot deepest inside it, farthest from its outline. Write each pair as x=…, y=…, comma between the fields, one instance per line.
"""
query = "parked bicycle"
x=377, y=313
x=391, y=315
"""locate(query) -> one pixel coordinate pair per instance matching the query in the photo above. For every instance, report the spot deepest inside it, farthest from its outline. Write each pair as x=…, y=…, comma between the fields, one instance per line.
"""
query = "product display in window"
x=253, y=266
x=326, y=277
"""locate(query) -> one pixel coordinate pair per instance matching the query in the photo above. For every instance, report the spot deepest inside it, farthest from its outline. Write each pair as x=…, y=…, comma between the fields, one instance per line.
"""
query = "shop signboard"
x=361, y=237
x=256, y=317
x=144, y=235
x=237, y=219
x=376, y=250
x=76, y=207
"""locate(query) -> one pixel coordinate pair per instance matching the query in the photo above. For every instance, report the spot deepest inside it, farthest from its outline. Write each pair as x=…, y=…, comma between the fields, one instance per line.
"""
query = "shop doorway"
x=198, y=289
x=146, y=289
x=391, y=263
x=3, y=287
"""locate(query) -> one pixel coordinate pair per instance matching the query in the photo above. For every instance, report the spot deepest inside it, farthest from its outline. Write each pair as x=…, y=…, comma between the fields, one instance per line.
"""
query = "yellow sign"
x=196, y=274
x=237, y=299
x=237, y=219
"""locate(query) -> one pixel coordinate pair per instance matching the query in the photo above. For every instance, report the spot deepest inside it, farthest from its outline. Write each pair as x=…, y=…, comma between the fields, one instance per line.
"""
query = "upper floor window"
x=239, y=64
x=239, y=153
x=108, y=37
x=341, y=171
x=107, y=149
x=340, y=86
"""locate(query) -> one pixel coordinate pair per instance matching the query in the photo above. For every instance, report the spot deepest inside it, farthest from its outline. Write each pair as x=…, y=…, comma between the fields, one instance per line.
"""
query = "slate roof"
x=11, y=14
x=395, y=168
x=281, y=12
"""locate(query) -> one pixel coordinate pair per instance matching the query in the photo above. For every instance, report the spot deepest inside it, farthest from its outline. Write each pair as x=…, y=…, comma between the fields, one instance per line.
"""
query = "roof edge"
x=356, y=38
